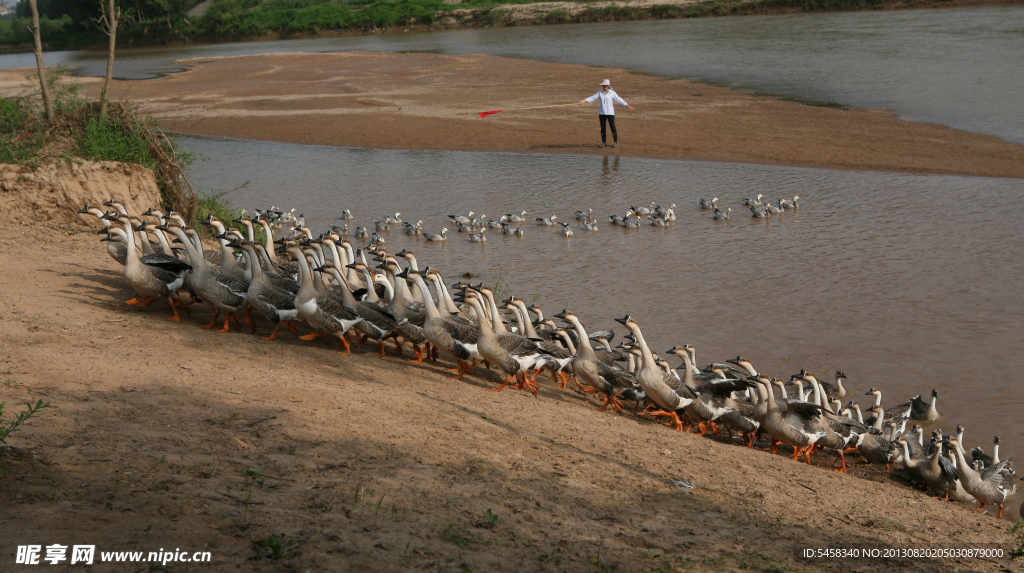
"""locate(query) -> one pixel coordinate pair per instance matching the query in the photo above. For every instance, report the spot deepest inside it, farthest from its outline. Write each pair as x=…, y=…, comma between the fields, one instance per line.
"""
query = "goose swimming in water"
x=616, y=219
x=516, y=217
x=478, y=237
x=436, y=236
x=584, y=215
x=708, y=204
x=758, y=212
x=565, y=231
x=346, y=215
x=588, y=226
x=465, y=219
x=720, y=216
x=361, y=233
x=748, y=202
x=547, y=221
x=631, y=223
x=921, y=410
x=657, y=221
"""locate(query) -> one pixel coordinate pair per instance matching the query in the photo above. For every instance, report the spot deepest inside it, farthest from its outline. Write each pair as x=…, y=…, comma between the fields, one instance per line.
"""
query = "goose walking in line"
x=436, y=236
x=455, y=338
x=510, y=352
x=608, y=380
x=547, y=221
x=275, y=304
x=720, y=216
x=991, y=486
x=152, y=276
x=321, y=311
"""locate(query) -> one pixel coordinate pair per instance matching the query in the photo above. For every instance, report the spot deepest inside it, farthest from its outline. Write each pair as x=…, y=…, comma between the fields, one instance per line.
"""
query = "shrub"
x=8, y=426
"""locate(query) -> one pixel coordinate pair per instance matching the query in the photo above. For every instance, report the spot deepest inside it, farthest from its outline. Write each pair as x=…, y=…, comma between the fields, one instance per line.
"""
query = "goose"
x=896, y=411
x=662, y=213
x=565, y=231
x=772, y=209
x=375, y=240
x=495, y=224
x=787, y=204
x=616, y=219
x=991, y=486
x=642, y=211
x=378, y=322
x=921, y=410
x=657, y=221
x=670, y=213
x=512, y=353
x=708, y=204
x=412, y=230
x=546, y=221
x=657, y=386
x=720, y=216
x=876, y=445
x=320, y=310
x=556, y=358
x=361, y=233
x=719, y=393
x=410, y=319
x=755, y=202
x=608, y=380
x=465, y=219
x=516, y=217
x=226, y=294
x=798, y=424
x=455, y=338
x=938, y=473
x=979, y=455
x=152, y=276
x=758, y=213
x=384, y=225
x=631, y=223
x=464, y=228
x=346, y=215
x=436, y=236
x=588, y=226
x=584, y=216
x=276, y=305
x=117, y=250
x=478, y=237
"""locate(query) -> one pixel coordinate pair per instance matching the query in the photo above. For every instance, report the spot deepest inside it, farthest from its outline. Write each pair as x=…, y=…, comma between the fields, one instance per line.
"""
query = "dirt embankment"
x=165, y=435
x=54, y=192
x=431, y=101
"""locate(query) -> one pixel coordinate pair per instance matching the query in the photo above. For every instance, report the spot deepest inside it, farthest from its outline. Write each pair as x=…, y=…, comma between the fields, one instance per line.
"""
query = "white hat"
x=606, y=83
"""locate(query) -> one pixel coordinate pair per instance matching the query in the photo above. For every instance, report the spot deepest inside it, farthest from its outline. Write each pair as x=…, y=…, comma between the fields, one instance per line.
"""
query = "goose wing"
x=723, y=388
x=461, y=331
x=335, y=308
x=517, y=345
x=165, y=262
x=277, y=298
x=948, y=469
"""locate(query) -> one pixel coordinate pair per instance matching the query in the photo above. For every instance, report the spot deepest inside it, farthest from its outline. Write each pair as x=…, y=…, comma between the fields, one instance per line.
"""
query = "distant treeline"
x=70, y=24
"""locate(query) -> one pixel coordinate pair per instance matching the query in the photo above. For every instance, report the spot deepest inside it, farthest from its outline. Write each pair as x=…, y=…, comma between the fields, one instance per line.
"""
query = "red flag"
x=486, y=113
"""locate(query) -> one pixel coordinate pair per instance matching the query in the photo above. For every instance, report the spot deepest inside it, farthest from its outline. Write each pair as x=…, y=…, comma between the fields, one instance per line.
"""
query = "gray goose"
x=991, y=486
x=227, y=295
x=411, y=328
x=798, y=424
x=510, y=352
x=152, y=276
x=276, y=305
x=455, y=338
x=939, y=473
x=921, y=410
x=324, y=313
x=608, y=380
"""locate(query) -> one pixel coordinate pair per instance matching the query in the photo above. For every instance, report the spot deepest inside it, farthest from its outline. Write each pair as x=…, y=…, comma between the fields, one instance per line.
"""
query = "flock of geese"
x=336, y=291
x=476, y=226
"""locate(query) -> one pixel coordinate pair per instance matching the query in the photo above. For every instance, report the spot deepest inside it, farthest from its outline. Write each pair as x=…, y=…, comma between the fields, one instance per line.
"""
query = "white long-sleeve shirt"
x=607, y=101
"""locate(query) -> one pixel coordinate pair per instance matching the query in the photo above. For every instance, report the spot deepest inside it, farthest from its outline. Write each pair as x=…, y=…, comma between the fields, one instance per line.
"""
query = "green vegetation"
x=1017, y=530
x=8, y=426
x=80, y=132
x=68, y=23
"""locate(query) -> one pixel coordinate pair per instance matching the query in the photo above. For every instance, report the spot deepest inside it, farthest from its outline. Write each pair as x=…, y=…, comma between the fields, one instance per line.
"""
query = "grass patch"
x=9, y=426
x=1017, y=530
x=80, y=132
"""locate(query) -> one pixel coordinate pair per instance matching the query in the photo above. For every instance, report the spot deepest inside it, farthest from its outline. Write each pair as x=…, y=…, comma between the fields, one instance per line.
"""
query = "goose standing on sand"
x=512, y=353
x=320, y=310
x=939, y=473
x=797, y=424
x=608, y=380
x=152, y=276
x=275, y=304
x=455, y=338
x=991, y=486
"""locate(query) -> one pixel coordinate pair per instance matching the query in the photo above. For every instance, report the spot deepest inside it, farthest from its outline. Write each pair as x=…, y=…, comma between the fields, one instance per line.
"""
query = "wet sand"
x=431, y=101
x=157, y=430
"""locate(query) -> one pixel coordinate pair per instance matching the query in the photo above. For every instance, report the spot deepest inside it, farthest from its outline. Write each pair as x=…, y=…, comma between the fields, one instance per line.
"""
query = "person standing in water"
x=606, y=113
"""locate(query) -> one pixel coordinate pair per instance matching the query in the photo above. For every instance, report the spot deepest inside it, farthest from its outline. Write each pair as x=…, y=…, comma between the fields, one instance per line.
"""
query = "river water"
x=904, y=282
x=959, y=67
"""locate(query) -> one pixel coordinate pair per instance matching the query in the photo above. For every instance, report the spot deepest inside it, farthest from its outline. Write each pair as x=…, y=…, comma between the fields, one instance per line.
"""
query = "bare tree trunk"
x=110, y=22
x=39, y=61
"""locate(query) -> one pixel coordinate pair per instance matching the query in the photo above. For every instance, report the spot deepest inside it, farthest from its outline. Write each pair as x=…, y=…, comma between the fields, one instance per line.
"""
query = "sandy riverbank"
x=373, y=464
x=430, y=101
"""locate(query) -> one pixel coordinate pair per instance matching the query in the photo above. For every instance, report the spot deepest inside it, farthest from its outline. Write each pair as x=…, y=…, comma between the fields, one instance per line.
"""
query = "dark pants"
x=611, y=120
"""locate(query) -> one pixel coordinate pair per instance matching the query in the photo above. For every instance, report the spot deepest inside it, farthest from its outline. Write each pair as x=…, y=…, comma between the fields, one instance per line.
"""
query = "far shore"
x=431, y=101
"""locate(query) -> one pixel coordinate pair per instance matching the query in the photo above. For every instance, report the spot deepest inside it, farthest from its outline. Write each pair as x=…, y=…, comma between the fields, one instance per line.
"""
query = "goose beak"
x=141, y=227
x=85, y=209
x=561, y=314
x=107, y=238
x=622, y=320
x=104, y=231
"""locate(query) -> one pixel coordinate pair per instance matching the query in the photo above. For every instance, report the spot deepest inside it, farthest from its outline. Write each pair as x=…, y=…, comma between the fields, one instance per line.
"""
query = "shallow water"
x=960, y=67
x=904, y=282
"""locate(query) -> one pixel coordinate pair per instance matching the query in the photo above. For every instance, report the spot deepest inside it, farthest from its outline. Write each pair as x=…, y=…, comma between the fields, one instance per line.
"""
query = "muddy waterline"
x=904, y=282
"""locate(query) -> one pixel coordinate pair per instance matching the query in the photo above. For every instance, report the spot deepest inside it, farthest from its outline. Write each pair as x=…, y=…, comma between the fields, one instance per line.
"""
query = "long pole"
x=486, y=113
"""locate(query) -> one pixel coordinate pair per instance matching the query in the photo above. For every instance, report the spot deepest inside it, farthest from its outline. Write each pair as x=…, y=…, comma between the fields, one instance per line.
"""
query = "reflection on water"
x=960, y=67
x=904, y=282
